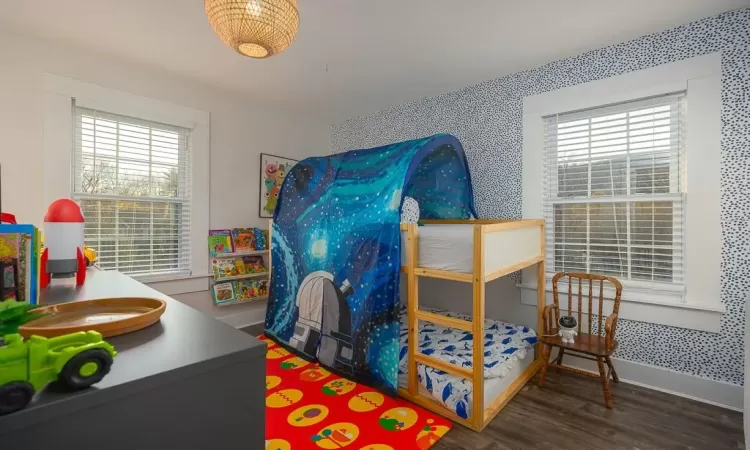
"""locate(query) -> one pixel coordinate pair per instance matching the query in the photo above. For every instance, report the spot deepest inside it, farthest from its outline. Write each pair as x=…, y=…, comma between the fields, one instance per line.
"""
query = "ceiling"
x=357, y=56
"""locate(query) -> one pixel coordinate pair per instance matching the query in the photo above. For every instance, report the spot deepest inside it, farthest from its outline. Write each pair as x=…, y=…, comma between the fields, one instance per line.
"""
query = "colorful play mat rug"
x=308, y=407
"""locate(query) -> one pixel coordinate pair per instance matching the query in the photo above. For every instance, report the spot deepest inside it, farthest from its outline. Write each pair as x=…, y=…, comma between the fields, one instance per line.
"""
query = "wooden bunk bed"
x=500, y=247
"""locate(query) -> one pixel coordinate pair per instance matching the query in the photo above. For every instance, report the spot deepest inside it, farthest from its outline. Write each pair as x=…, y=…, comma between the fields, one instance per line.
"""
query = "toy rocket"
x=63, y=242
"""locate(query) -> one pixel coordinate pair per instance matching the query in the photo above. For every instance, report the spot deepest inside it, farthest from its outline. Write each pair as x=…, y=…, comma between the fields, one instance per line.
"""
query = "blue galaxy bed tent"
x=336, y=248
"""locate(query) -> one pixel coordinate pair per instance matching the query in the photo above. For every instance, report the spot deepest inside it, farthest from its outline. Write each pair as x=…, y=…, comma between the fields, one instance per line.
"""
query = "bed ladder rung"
x=450, y=322
x=444, y=366
x=433, y=405
x=443, y=274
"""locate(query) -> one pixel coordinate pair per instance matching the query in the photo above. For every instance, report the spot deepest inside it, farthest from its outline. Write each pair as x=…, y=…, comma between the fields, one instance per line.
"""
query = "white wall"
x=501, y=299
x=240, y=129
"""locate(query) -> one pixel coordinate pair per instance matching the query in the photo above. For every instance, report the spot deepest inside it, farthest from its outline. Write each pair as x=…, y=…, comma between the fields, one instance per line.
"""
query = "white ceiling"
x=379, y=53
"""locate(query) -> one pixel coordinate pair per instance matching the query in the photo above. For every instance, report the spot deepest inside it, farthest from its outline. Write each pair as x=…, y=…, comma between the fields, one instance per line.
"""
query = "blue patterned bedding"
x=505, y=344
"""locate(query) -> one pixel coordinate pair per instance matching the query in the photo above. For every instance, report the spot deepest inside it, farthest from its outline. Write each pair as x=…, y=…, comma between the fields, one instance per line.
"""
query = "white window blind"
x=614, y=191
x=132, y=179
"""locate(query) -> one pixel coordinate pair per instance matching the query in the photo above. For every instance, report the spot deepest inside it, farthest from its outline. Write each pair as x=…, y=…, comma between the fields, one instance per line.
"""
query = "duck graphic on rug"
x=398, y=419
x=314, y=374
x=294, y=363
x=336, y=436
x=430, y=434
x=339, y=386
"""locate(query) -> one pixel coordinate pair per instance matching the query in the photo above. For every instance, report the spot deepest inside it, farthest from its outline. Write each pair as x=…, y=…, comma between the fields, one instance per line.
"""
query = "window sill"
x=649, y=308
x=176, y=284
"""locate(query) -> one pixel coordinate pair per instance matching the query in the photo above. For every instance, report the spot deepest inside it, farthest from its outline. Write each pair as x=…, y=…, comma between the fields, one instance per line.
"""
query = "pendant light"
x=254, y=28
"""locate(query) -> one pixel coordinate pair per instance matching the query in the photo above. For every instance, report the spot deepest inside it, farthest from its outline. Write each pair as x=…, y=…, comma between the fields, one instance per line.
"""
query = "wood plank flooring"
x=569, y=413
x=254, y=330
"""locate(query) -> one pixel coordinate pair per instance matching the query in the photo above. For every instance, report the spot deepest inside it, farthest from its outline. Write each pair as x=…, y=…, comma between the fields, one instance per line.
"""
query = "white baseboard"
x=245, y=318
x=713, y=392
x=180, y=286
x=237, y=315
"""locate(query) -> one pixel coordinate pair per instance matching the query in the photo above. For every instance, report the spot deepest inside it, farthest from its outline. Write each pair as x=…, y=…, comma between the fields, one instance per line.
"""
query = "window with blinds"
x=132, y=180
x=614, y=191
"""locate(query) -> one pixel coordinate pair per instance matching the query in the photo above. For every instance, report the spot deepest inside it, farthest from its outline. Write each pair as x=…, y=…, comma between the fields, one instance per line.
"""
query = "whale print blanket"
x=505, y=344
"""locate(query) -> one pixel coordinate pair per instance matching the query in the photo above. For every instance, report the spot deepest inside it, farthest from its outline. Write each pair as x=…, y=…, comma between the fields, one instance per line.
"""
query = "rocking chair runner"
x=595, y=347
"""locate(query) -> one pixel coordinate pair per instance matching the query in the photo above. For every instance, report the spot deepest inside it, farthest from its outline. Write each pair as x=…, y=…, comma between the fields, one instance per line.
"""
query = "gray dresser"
x=188, y=382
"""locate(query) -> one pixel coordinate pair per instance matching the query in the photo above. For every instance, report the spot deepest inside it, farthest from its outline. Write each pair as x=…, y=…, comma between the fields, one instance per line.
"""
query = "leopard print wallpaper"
x=487, y=118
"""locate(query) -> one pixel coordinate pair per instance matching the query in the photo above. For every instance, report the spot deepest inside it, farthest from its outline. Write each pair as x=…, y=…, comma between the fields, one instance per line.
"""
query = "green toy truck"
x=77, y=360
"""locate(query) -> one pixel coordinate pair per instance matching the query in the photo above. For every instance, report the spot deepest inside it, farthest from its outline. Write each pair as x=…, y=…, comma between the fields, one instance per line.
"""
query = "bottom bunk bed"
x=439, y=374
x=508, y=352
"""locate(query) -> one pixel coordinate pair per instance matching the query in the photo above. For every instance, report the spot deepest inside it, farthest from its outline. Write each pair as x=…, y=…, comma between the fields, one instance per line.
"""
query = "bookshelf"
x=235, y=287
x=237, y=302
x=12, y=290
x=233, y=254
x=242, y=276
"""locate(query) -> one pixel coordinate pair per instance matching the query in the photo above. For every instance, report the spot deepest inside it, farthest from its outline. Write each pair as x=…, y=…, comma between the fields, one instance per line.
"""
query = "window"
x=670, y=279
x=132, y=179
x=614, y=191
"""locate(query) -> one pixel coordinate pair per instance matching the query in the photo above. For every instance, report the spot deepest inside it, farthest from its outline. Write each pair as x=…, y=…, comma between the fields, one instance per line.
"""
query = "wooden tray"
x=109, y=316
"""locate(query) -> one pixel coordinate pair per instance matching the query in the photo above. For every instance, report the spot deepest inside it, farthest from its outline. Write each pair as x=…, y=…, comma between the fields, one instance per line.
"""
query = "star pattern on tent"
x=340, y=214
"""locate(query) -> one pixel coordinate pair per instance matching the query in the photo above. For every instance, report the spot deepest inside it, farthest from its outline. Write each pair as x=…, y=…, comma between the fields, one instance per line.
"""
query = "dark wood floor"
x=255, y=330
x=569, y=413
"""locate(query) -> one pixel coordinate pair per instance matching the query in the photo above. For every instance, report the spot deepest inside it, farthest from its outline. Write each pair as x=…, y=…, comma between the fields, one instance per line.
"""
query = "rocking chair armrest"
x=610, y=328
x=548, y=319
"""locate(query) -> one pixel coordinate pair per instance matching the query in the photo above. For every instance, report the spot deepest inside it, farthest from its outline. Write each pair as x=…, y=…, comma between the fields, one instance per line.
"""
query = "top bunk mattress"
x=443, y=247
x=450, y=247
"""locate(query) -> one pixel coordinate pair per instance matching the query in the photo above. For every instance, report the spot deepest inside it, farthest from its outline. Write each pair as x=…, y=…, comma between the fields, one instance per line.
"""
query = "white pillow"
x=410, y=211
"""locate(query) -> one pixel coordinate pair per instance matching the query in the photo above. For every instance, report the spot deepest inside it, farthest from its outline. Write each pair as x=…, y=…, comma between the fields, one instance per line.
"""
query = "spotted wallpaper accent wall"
x=487, y=118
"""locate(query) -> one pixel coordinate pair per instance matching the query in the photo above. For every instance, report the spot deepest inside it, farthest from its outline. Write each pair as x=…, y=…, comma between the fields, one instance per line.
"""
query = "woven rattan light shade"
x=254, y=28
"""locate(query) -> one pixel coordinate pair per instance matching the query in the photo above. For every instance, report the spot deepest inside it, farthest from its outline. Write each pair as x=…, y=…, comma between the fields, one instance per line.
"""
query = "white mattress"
x=492, y=386
x=506, y=346
x=443, y=247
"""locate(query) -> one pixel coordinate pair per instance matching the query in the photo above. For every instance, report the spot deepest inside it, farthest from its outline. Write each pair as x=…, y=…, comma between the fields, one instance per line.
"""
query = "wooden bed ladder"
x=476, y=327
x=479, y=416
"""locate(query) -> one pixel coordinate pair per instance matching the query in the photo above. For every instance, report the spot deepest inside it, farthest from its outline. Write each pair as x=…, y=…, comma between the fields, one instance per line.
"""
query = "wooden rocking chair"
x=595, y=347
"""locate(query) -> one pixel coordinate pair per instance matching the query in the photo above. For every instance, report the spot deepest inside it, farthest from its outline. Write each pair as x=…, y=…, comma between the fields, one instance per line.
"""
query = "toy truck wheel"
x=15, y=396
x=86, y=368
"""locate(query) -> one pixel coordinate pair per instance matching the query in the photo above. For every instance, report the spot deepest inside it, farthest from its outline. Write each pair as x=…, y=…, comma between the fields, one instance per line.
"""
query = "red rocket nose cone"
x=64, y=210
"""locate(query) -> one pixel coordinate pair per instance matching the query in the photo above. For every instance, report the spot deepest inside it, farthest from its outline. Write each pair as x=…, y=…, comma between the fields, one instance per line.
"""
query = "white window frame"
x=57, y=152
x=675, y=195
x=699, y=306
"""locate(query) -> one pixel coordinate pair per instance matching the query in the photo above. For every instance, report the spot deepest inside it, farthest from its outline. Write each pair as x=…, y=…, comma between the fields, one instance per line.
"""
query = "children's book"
x=223, y=292
x=244, y=289
x=223, y=267
x=249, y=289
x=19, y=262
x=239, y=266
x=262, y=287
x=10, y=280
x=253, y=264
x=261, y=239
x=219, y=242
x=215, y=267
x=243, y=239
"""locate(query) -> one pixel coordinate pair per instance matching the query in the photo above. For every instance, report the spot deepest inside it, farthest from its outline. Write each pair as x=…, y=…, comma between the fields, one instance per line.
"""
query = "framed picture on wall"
x=273, y=169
